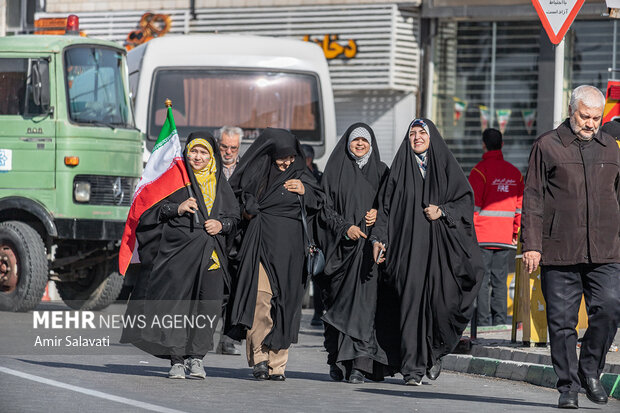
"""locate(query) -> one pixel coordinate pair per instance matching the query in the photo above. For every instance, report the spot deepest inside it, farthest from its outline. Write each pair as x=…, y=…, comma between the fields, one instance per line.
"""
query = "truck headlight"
x=81, y=191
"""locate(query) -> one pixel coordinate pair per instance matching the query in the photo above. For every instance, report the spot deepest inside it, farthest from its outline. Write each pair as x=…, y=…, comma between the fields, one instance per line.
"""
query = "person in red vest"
x=498, y=192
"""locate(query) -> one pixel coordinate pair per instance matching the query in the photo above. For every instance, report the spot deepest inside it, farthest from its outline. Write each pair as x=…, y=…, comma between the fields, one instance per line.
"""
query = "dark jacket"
x=571, y=203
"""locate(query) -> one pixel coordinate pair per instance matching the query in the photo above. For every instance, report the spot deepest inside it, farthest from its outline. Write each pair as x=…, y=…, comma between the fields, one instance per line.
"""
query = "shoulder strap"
x=303, y=219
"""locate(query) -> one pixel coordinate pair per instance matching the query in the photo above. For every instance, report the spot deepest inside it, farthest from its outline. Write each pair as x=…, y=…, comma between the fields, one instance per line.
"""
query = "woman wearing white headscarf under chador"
x=351, y=180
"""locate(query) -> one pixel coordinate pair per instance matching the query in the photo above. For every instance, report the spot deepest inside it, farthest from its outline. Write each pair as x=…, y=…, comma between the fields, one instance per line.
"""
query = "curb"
x=536, y=374
x=516, y=354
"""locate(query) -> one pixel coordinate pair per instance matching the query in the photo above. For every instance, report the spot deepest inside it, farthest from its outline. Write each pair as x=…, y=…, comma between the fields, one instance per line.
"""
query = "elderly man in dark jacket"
x=571, y=227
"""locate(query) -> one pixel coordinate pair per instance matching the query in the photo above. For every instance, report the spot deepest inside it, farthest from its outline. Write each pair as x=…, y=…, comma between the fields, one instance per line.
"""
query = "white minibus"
x=248, y=81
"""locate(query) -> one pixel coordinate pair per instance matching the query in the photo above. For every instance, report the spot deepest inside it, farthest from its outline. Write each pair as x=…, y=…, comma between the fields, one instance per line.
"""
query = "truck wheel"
x=23, y=267
x=93, y=293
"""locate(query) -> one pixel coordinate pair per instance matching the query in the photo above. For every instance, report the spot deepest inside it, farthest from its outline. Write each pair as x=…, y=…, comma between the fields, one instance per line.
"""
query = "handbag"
x=315, y=259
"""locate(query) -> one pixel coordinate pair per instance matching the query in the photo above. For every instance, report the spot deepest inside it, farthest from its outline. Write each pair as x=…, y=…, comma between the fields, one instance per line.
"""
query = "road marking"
x=94, y=393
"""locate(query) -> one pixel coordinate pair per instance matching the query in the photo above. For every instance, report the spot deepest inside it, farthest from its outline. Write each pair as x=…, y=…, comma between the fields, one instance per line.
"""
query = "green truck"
x=70, y=157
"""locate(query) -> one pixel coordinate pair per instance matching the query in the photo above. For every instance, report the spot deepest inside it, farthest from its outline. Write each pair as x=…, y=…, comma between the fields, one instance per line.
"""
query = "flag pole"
x=168, y=104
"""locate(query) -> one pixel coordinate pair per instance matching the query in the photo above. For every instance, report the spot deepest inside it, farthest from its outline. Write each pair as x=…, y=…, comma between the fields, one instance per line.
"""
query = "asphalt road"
x=127, y=380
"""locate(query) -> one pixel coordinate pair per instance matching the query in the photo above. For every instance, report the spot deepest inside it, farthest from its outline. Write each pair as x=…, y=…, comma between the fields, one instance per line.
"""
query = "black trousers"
x=317, y=300
x=492, y=308
x=209, y=303
x=331, y=337
x=224, y=339
x=562, y=288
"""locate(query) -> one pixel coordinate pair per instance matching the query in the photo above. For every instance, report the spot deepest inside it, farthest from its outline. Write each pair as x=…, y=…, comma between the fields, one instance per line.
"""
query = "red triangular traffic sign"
x=557, y=16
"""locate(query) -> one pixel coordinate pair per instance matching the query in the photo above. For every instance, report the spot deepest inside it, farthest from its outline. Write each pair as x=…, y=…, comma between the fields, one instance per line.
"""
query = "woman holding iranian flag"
x=181, y=243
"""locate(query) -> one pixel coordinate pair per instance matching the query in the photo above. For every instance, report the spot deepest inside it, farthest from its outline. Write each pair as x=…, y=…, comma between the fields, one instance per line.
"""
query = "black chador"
x=184, y=269
x=273, y=236
x=432, y=270
x=350, y=184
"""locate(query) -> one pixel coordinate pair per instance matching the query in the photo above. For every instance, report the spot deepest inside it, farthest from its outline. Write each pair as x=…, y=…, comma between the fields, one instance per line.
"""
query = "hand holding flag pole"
x=163, y=174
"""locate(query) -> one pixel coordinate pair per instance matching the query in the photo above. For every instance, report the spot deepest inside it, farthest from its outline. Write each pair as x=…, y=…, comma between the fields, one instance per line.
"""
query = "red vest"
x=498, y=191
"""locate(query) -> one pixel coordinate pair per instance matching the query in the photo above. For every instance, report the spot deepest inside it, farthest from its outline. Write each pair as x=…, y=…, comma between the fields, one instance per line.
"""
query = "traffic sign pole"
x=558, y=85
x=556, y=17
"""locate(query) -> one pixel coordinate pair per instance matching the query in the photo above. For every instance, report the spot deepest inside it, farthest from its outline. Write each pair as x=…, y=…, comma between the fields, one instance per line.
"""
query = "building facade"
x=373, y=48
x=493, y=65
x=467, y=64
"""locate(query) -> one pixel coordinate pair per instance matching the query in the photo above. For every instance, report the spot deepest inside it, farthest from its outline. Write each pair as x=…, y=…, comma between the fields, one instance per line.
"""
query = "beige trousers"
x=257, y=352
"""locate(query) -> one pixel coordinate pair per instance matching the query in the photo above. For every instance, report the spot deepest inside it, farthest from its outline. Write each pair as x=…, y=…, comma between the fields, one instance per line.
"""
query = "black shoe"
x=227, y=349
x=260, y=371
x=316, y=322
x=335, y=372
x=568, y=400
x=434, y=371
x=356, y=377
x=277, y=377
x=594, y=389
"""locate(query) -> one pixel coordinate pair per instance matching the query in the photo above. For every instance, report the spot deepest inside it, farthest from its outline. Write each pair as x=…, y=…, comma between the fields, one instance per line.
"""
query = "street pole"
x=493, y=57
x=613, y=56
x=558, y=85
x=430, y=70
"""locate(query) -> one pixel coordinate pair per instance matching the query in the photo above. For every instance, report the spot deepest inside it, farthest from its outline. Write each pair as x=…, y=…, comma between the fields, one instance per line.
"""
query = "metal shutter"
x=590, y=45
x=463, y=58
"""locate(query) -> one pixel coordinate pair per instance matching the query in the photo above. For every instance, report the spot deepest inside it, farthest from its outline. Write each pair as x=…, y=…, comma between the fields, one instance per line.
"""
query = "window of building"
x=589, y=49
x=20, y=15
x=486, y=76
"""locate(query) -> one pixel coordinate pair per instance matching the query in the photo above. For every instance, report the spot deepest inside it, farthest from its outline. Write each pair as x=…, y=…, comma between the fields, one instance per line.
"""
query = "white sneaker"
x=196, y=369
x=413, y=382
x=177, y=371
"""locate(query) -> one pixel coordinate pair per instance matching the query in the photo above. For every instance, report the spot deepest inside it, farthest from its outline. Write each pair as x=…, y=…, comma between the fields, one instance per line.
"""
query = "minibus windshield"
x=207, y=99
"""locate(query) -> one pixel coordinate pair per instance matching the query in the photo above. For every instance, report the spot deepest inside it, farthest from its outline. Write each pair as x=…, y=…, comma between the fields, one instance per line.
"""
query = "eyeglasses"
x=227, y=147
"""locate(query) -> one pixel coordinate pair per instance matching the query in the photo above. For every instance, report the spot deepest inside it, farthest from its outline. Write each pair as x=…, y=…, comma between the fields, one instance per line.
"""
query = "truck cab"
x=70, y=157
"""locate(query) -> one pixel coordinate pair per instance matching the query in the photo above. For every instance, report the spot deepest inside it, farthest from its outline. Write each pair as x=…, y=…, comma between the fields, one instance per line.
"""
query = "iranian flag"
x=163, y=174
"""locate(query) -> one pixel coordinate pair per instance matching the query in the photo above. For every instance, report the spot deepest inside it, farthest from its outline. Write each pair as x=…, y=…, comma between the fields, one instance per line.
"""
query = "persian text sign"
x=556, y=16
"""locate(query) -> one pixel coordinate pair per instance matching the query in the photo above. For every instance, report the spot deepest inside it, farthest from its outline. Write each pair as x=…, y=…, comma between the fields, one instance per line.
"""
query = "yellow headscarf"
x=207, y=183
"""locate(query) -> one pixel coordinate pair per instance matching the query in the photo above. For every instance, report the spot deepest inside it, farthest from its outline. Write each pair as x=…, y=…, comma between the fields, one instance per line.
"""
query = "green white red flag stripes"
x=163, y=174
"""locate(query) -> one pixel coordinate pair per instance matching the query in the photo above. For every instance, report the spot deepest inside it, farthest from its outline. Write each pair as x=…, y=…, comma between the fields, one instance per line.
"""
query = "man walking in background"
x=613, y=128
x=229, y=144
x=498, y=192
